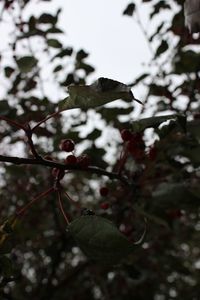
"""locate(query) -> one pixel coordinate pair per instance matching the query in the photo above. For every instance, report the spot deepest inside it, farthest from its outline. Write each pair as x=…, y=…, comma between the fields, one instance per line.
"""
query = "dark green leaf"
x=8, y=71
x=129, y=9
x=81, y=55
x=162, y=48
x=26, y=63
x=54, y=43
x=57, y=68
x=6, y=268
x=64, y=52
x=4, y=108
x=153, y=122
x=100, y=239
x=47, y=19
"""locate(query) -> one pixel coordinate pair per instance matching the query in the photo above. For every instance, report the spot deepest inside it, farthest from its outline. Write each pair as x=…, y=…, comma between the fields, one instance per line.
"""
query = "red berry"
x=126, y=135
x=104, y=191
x=104, y=205
x=84, y=161
x=71, y=159
x=67, y=145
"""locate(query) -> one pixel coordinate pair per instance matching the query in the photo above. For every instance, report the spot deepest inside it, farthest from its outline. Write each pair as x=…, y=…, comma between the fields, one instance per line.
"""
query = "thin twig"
x=72, y=201
x=61, y=207
x=29, y=134
x=13, y=123
x=41, y=195
x=46, y=119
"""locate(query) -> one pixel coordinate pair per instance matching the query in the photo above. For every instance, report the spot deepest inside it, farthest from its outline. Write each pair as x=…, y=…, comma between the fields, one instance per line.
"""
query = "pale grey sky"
x=116, y=45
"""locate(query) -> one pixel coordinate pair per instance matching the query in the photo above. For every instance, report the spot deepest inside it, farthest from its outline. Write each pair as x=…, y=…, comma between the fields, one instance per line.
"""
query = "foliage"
x=129, y=179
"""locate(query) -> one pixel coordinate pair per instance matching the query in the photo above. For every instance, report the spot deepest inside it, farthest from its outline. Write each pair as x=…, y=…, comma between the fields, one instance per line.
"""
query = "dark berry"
x=84, y=161
x=71, y=159
x=126, y=135
x=67, y=145
x=104, y=205
x=104, y=191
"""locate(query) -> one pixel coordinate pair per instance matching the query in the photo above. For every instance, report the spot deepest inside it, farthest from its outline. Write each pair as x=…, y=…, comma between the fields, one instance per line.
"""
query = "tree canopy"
x=96, y=203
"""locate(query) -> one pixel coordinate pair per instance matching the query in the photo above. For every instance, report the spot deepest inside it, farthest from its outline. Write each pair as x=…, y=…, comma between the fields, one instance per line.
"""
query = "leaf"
x=26, y=63
x=158, y=7
x=54, y=43
x=154, y=122
x=102, y=91
x=129, y=9
x=193, y=128
x=47, y=19
x=6, y=267
x=8, y=71
x=151, y=217
x=99, y=239
x=81, y=54
x=6, y=229
x=171, y=195
x=87, y=68
x=65, y=52
x=162, y=48
x=57, y=68
x=4, y=108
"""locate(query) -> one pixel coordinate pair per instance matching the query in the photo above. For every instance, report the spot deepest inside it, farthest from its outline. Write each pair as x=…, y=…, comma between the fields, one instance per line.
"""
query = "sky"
x=115, y=43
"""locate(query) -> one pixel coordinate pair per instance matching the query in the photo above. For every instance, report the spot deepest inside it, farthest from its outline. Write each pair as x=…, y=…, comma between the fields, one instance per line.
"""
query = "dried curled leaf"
x=100, y=239
x=102, y=91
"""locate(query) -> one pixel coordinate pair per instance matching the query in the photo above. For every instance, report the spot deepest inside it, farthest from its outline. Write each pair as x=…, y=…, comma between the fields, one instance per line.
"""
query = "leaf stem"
x=61, y=207
x=28, y=205
x=13, y=123
x=46, y=119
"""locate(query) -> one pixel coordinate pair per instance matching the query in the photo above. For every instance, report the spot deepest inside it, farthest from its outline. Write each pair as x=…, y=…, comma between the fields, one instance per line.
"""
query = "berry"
x=84, y=161
x=71, y=159
x=67, y=145
x=104, y=191
x=126, y=135
x=104, y=205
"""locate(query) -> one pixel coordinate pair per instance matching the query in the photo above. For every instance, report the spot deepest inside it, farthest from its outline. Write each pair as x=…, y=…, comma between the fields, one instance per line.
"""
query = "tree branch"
x=52, y=164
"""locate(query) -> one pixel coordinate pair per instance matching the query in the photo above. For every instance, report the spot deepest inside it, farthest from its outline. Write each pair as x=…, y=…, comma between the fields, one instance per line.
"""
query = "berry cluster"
x=83, y=161
x=134, y=145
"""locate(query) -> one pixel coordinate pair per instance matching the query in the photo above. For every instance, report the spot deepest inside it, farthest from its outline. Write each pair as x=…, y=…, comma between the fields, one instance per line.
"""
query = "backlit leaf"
x=102, y=91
